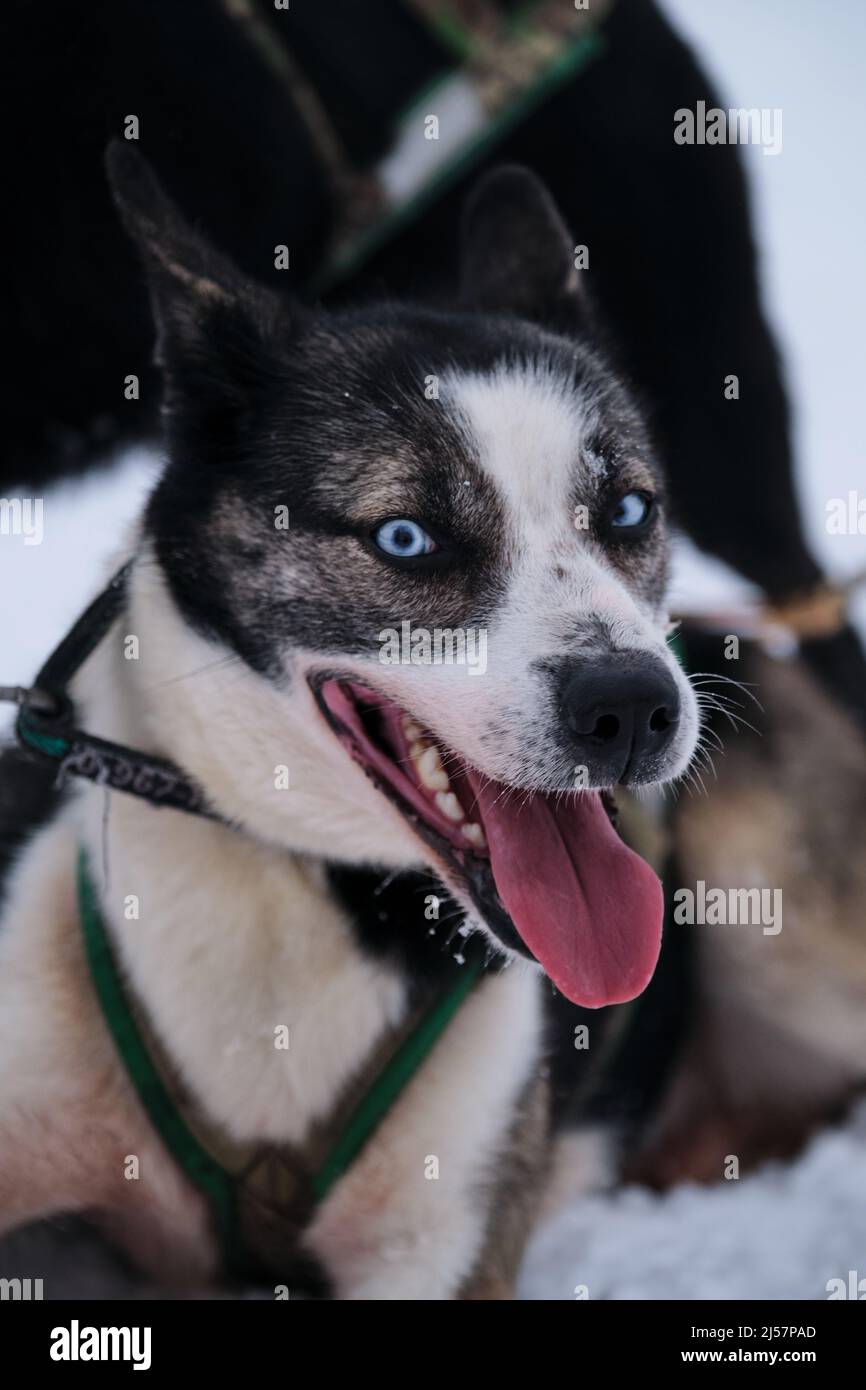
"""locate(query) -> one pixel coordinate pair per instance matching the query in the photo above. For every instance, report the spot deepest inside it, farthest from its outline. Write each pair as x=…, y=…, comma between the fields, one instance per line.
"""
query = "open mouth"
x=546, y=871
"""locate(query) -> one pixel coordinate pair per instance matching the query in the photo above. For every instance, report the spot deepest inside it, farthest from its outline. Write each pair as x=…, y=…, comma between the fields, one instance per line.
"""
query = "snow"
x=780, y=1233
x=787, y=1230
x=45, y=587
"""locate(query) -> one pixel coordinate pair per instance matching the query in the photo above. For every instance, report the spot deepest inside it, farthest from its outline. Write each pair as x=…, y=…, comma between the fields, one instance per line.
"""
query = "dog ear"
x=517, y=256
x=214, y=326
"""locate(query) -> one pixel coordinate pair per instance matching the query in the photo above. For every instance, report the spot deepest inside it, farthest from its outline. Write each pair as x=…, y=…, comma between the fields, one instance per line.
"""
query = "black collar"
x=46, y=722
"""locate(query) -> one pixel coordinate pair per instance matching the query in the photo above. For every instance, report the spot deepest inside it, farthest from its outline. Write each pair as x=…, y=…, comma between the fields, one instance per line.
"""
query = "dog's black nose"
x=622, y=712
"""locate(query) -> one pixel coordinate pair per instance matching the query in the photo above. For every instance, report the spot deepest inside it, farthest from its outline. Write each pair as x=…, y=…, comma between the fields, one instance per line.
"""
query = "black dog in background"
x=672, y=257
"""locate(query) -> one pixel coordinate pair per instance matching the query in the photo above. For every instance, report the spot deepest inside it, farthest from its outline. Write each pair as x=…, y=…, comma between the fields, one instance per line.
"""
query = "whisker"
x=222, y=663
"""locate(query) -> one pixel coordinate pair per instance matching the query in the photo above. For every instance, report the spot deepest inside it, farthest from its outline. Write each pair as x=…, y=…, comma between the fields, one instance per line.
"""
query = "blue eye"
x=632, y=510
x=403, y=538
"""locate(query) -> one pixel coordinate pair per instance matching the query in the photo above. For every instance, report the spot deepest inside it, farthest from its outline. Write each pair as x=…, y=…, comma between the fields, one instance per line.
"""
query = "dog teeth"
x=416, y=753
x=430, y=770
x=427, y=763
x=474, y=834
x=449, y=805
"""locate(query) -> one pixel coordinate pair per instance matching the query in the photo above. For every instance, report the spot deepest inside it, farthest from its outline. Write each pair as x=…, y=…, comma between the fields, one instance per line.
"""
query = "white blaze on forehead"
x=526, y=425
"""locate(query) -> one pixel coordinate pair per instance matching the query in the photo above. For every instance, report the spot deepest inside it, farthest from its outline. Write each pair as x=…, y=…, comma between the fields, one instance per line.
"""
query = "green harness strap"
x=392, y=1078
x=209, y=1177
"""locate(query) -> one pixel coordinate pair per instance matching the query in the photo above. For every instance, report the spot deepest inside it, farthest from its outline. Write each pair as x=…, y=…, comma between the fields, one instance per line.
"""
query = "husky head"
x=422, y=555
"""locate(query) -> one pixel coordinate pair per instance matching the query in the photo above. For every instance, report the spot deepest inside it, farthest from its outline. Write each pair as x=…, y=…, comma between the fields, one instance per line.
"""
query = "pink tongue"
x=589, y=909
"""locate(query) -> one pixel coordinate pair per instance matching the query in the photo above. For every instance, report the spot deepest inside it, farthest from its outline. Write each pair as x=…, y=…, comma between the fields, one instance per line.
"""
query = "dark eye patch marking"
x=346, y=439
x=344, y=436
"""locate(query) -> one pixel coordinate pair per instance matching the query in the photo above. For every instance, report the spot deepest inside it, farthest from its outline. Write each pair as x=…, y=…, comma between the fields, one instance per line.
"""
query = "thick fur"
x=239, y=929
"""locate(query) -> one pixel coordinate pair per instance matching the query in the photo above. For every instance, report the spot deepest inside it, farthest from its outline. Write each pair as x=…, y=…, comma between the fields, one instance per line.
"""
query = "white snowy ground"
x=784, y=1232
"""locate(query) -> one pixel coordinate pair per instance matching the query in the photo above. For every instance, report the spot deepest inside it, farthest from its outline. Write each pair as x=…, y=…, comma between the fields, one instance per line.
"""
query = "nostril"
x=621, y=710
x=606, y=728
x=661, y=720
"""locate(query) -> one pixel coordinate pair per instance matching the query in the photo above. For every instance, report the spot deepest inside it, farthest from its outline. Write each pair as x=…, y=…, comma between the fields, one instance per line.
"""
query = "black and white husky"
x=332, y=479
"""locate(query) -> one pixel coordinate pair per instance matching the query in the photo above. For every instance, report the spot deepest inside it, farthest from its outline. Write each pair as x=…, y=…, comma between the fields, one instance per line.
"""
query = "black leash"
x=46, y=721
